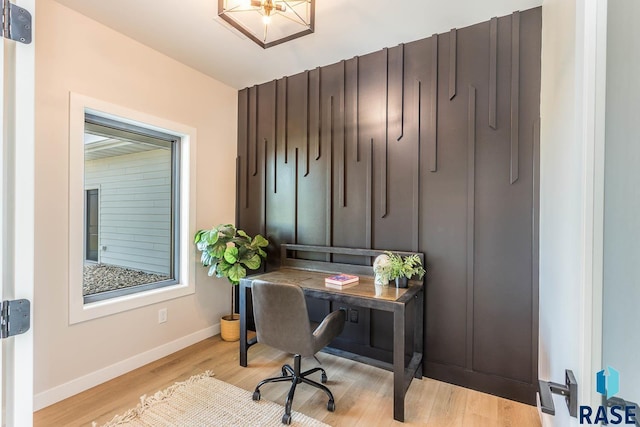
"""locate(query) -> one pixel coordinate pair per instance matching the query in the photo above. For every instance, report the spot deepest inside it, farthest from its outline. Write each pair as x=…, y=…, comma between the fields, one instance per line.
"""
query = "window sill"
x=81, y=312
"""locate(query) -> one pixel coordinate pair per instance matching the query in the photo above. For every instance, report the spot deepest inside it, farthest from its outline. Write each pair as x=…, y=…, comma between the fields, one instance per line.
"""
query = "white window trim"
x=78, y=310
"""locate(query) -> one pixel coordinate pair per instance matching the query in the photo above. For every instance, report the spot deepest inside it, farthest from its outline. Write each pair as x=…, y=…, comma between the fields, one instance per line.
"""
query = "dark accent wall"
x=429, y=146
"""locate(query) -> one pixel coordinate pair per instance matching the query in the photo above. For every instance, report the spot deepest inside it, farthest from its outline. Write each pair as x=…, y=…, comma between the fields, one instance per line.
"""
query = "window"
x=131, y=228
x=131, y=209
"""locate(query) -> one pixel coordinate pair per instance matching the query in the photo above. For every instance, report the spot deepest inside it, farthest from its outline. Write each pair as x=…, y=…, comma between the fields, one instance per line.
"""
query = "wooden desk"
x=365, y=294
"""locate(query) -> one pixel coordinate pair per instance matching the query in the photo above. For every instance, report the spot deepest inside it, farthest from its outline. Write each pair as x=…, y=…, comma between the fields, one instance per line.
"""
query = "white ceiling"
x=190, y=31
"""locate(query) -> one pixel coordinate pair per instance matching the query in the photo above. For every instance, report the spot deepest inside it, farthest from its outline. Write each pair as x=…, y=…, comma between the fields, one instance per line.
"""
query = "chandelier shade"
x=269, y=22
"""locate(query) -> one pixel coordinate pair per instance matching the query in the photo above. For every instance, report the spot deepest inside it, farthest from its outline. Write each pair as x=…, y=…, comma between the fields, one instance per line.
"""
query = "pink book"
x=340, y=280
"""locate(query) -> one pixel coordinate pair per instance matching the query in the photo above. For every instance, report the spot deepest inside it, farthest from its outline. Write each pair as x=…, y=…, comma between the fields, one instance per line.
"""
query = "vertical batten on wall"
x=416, y=175
x=319, y=99
x=493, y=73
x=351, y=108
x=246, y=156
x=394, y=116
x=384, y=180
x=255, y=138
x=296, y=195
x=329, y=160
x=238, y=172
x=471, y=195
x=432, y=138
x=280, y=117
x=515, y=95
x=251, y=138
x=453, y=62
x=402, y=99
x=384, y=164
x=243, y=130
x=342, y=164
x=314, y=112
x=275, y=139
x=307, y=135
x=368, y=197
x=357, y=109
x=384, y=159
x=386, y=93
x=263, y=224
x=286, y=120
x=280, y=127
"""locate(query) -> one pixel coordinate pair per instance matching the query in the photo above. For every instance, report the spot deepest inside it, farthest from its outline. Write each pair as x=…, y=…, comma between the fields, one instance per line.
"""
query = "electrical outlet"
x=162, y=315
x=353, y=316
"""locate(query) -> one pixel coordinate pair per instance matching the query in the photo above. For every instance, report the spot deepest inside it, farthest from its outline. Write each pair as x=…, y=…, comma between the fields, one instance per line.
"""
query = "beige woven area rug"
x=206, y=401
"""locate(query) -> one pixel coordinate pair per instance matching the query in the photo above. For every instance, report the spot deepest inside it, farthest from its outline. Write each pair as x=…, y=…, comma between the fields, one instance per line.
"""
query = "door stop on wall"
x=569, y=390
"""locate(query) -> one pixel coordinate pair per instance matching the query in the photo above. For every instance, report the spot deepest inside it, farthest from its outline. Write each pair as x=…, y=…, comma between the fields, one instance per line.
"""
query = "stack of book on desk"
x=341, y=281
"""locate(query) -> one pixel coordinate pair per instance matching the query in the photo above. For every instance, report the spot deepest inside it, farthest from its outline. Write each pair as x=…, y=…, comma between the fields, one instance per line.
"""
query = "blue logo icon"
x=608, y=385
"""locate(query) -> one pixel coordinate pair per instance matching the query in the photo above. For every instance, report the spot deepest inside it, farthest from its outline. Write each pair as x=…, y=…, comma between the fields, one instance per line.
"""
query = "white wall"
x=134, y=209
x=76, y=54
x=565, y=203
x=560, y=203
x=621, y=316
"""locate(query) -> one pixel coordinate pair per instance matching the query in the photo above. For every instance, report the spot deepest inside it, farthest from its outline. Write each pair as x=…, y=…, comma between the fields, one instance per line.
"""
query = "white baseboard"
x=68, y=389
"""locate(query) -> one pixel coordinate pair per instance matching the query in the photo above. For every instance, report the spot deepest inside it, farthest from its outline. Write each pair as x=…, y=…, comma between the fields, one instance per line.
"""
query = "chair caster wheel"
x=324, y=378
x=286, y=419
x=331, y=406
x=256, y=395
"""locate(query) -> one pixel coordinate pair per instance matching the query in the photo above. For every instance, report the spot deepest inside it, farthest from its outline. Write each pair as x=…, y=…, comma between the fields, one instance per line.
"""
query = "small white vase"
x=381, y=280
x=379, y=289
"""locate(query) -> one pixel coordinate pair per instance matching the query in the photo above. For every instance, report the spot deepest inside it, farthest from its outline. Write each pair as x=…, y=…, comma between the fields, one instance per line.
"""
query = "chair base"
x=296, y=377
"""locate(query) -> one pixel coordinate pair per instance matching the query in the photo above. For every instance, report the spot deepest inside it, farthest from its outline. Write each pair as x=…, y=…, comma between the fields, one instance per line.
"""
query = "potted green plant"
x=229, y=252
x=404, y=268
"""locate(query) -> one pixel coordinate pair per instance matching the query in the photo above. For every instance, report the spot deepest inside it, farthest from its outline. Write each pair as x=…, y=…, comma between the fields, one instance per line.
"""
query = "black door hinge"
x=15, y=317
x=16, y=23
x=569, y=390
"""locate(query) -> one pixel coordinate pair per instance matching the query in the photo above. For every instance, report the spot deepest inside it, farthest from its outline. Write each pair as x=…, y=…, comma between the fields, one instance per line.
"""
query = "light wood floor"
x=363, y=394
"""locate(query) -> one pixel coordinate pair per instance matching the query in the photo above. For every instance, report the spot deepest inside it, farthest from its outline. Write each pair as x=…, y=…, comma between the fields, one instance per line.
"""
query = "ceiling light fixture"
x=269, y=22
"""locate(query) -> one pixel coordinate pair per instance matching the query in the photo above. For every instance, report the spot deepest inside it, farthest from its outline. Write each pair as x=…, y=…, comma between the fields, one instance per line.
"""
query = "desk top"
x=314, y=280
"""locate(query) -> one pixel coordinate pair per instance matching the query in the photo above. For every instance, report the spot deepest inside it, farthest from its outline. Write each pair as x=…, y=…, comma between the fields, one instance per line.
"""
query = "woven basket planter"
x=230, y=327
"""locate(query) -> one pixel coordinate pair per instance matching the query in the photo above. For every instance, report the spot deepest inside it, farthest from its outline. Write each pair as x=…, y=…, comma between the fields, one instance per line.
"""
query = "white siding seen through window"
x=134, y=209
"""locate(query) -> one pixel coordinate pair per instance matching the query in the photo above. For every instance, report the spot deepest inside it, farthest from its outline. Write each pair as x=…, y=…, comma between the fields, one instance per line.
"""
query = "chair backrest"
x=281, y=317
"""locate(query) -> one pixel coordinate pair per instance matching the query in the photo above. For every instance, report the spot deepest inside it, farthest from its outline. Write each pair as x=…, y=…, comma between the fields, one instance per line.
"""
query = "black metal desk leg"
x=418, y=337
x=244, y=345
x=398, y=362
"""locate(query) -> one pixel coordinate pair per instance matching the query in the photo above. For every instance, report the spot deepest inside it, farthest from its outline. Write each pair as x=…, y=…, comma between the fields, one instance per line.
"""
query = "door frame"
x=19, y=111
x=593, y=133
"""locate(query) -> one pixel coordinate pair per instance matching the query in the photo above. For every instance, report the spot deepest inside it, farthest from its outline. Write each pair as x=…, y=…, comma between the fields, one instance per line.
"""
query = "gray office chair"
x=282, y=321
